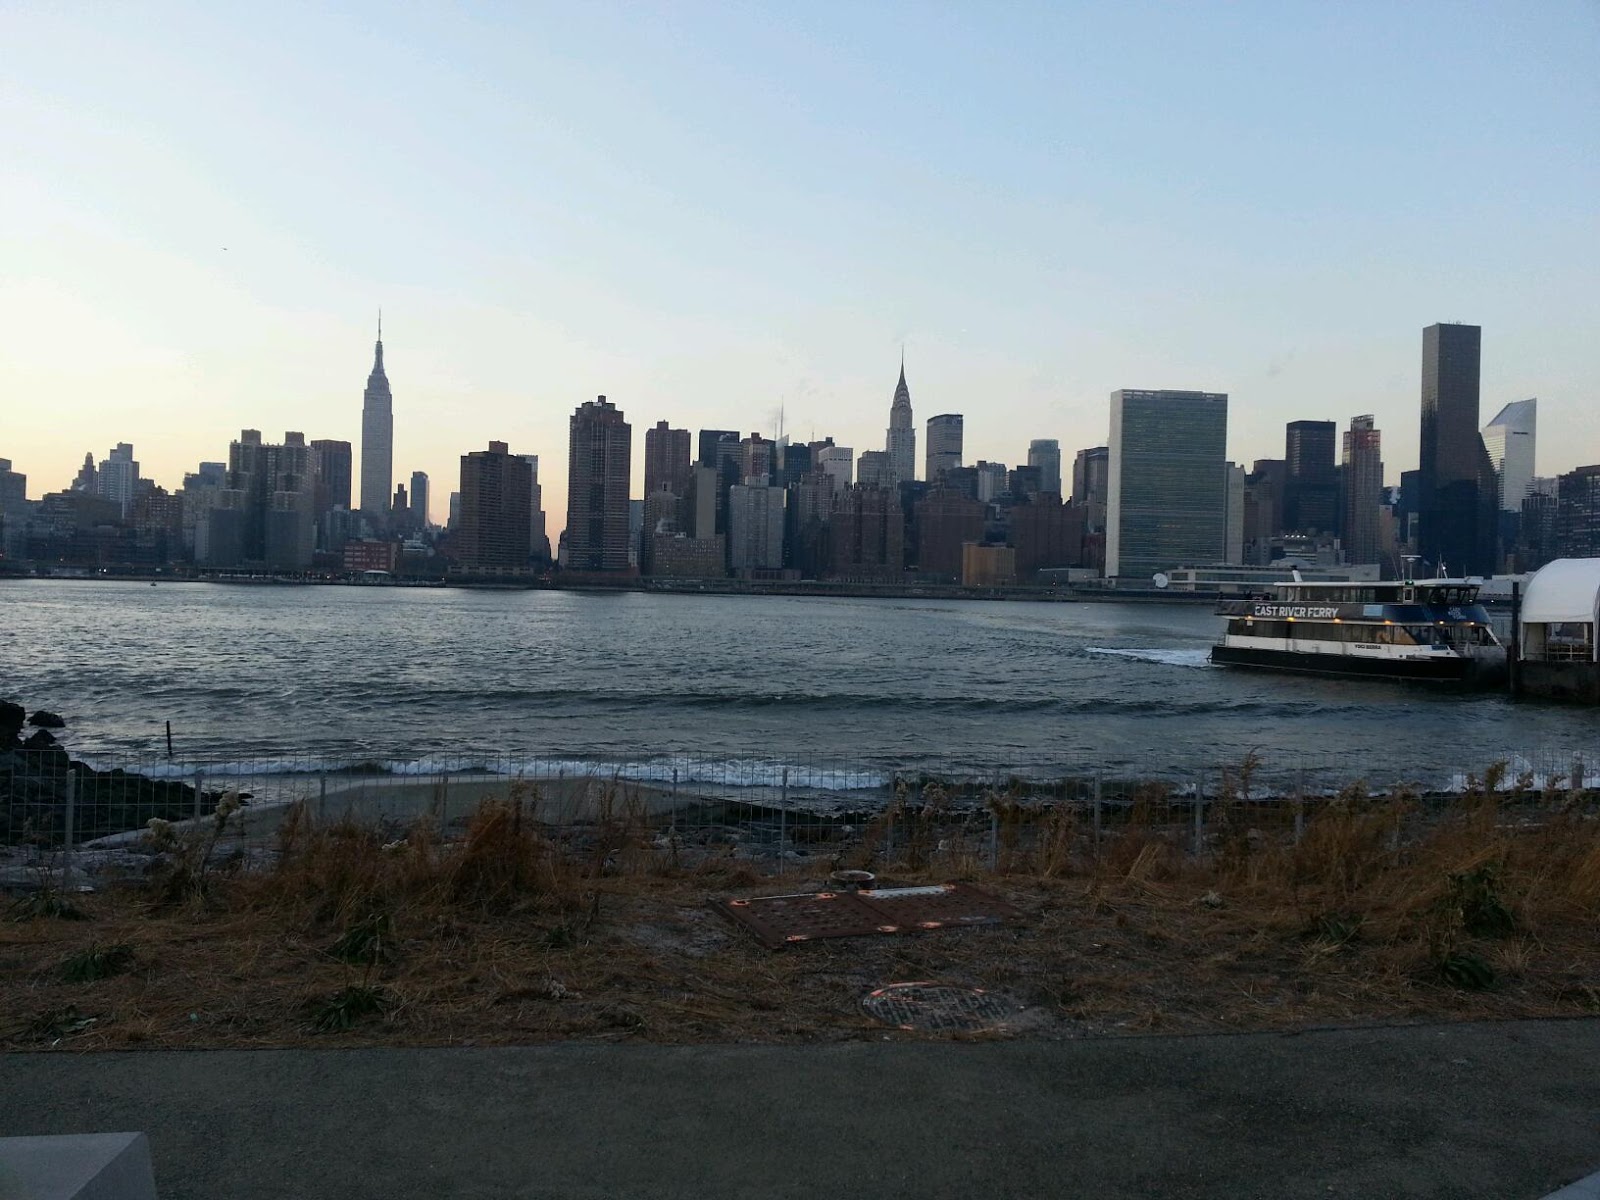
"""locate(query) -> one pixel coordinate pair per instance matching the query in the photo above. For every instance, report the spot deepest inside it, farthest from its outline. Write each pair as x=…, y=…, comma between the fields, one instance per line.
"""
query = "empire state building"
x=377, y=437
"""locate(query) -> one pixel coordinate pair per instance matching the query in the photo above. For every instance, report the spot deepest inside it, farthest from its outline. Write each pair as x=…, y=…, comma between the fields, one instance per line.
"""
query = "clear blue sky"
x=708, y=211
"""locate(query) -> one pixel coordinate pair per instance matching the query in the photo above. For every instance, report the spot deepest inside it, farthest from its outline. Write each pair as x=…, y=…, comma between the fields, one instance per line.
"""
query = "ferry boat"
x=1433, y=630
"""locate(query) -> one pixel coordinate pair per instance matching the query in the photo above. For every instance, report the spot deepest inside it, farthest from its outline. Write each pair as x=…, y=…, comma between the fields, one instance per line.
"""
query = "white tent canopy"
x=1564, y=591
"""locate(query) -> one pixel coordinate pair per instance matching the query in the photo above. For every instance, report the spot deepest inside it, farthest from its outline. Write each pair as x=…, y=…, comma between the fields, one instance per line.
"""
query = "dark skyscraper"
x=1311, y=497
x=496, y=488
x=666, y=460
x=419, y=499
x=599, y=456
x=711, y=443
x=332, y=465
x=377, y=436
x=1458, y=501
x=1363, y=491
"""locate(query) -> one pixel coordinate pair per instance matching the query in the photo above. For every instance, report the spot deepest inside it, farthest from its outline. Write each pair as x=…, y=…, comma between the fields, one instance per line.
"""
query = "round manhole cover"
x=937, y=1007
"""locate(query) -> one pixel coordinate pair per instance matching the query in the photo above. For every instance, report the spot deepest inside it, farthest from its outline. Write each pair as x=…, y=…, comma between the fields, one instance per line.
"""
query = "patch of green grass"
x=369, y=942
x=97, y=962
x=1466, y=971
x=47, y=903
x=1476, y=895
x=349, y=1005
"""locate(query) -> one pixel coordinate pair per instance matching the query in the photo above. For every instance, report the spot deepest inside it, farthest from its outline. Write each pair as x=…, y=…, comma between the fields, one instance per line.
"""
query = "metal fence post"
x=322, y=798
x=994, y=840
x=199, y=796
x=1098, y=787
x=69, y=817
x=1199, y=815
x=783, y=817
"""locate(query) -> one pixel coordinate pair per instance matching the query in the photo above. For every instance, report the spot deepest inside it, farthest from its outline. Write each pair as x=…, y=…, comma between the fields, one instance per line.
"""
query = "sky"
x=711, y=212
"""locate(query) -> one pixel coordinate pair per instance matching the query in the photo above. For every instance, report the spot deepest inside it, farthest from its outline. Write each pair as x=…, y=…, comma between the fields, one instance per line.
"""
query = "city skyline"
x=725, y=214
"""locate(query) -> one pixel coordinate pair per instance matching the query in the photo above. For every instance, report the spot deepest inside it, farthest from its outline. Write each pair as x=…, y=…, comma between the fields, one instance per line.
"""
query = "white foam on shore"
x=1167, y=658
x=728, y=773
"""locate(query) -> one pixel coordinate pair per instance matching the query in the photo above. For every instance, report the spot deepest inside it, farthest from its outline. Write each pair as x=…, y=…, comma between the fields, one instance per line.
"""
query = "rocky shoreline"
x=35, y=772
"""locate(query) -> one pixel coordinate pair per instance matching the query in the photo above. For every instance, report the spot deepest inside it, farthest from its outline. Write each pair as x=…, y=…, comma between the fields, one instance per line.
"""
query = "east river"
x=408, y=676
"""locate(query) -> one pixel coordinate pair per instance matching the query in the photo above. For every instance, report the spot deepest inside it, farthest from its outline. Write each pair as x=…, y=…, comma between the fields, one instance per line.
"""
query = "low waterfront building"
x=679, y=556
x=1558, y=640
x=988, y=566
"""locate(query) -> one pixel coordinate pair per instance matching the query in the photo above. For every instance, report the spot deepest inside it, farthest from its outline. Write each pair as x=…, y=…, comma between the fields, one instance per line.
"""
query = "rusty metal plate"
x=937, y=1008
x=785, y=920
x=941, y=906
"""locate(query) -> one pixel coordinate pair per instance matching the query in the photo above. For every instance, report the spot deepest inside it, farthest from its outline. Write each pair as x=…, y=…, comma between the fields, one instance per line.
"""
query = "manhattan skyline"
x=706, y=215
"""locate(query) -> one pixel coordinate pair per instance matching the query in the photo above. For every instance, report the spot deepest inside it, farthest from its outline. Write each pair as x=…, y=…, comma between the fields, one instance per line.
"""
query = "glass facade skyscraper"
x=1166, y=482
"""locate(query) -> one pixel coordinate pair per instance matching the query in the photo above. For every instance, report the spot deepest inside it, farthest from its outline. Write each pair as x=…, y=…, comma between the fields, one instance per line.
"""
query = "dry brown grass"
x=516, y=932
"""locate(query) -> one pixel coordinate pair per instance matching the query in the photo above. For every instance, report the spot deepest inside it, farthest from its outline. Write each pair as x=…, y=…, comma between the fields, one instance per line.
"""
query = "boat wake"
x=1167, y=658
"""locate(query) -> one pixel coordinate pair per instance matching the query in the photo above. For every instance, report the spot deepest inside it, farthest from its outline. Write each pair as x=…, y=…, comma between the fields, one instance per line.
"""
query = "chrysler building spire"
x=901, y=442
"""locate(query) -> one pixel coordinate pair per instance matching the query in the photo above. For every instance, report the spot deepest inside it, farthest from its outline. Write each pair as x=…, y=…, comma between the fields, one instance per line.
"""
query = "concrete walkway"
x=1507, y=1111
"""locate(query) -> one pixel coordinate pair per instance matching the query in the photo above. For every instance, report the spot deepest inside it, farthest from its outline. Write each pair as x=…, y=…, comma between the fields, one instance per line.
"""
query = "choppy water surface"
x=418, y=675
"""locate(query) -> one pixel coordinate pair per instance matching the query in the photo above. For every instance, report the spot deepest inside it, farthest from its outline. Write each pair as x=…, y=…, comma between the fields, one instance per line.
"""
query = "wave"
x=1168, y=658
x=727, y=773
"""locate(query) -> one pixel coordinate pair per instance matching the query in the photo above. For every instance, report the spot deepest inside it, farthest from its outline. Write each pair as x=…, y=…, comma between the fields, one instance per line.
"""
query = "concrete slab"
x=1585, y=1189
x=1454, y=1112
x=85, y=1166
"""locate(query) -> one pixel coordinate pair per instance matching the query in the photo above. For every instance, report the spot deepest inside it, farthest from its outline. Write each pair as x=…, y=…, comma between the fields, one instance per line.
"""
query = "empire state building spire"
x=377, y=435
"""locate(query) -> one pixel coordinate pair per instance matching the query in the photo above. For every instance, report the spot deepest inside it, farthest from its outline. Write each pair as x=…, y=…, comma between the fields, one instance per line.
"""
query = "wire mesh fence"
x=93, y=814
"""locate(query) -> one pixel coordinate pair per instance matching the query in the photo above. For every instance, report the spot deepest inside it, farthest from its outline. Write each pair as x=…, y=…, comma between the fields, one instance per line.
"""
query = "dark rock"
x=44, y=719
x=39, y=739
x=11, y=718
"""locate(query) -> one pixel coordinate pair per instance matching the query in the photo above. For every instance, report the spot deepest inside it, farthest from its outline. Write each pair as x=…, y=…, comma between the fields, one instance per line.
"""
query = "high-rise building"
x=666, y=459
x=495, y=494
x=901, y=442
x=1023, y=484
x=992, y=478
x=13, y=487
x=711, y=445
x=1046, y=533
x=757, y=458
x=599, y=460
x=1166, y=506
x=1578, y=513
x=755, y=526
x=1090, y=473
x=83, y=481
x=1233, y=486
x=1510, y=441
x=377, y=436
x=117, y=477
x=1045, y=453
x=866, y=533
x=946, y=520
x=944, y=446
x=419, y=499
x=266, y=515
x=538, y=539
x=1311, y=499
x=837, y=463
x=1458, y=504
x=333, y=469
x=454, y=521
x=1363, y=491
x=873, y=469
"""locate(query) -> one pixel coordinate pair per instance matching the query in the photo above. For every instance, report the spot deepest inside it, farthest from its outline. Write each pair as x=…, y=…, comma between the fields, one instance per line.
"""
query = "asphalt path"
x=1506, y=1110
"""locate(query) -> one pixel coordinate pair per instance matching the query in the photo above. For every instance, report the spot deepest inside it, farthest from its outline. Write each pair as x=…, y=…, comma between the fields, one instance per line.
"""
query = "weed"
x=1465, y=970
x=97, y=962
x=1475, y=895
x=1336, y=928
x=368, y=942
x=348, y=1005
x=56, y=1024
x=47, y=903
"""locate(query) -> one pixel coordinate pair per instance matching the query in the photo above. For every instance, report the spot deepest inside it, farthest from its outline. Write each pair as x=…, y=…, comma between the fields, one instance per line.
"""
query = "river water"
x=418, y=677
